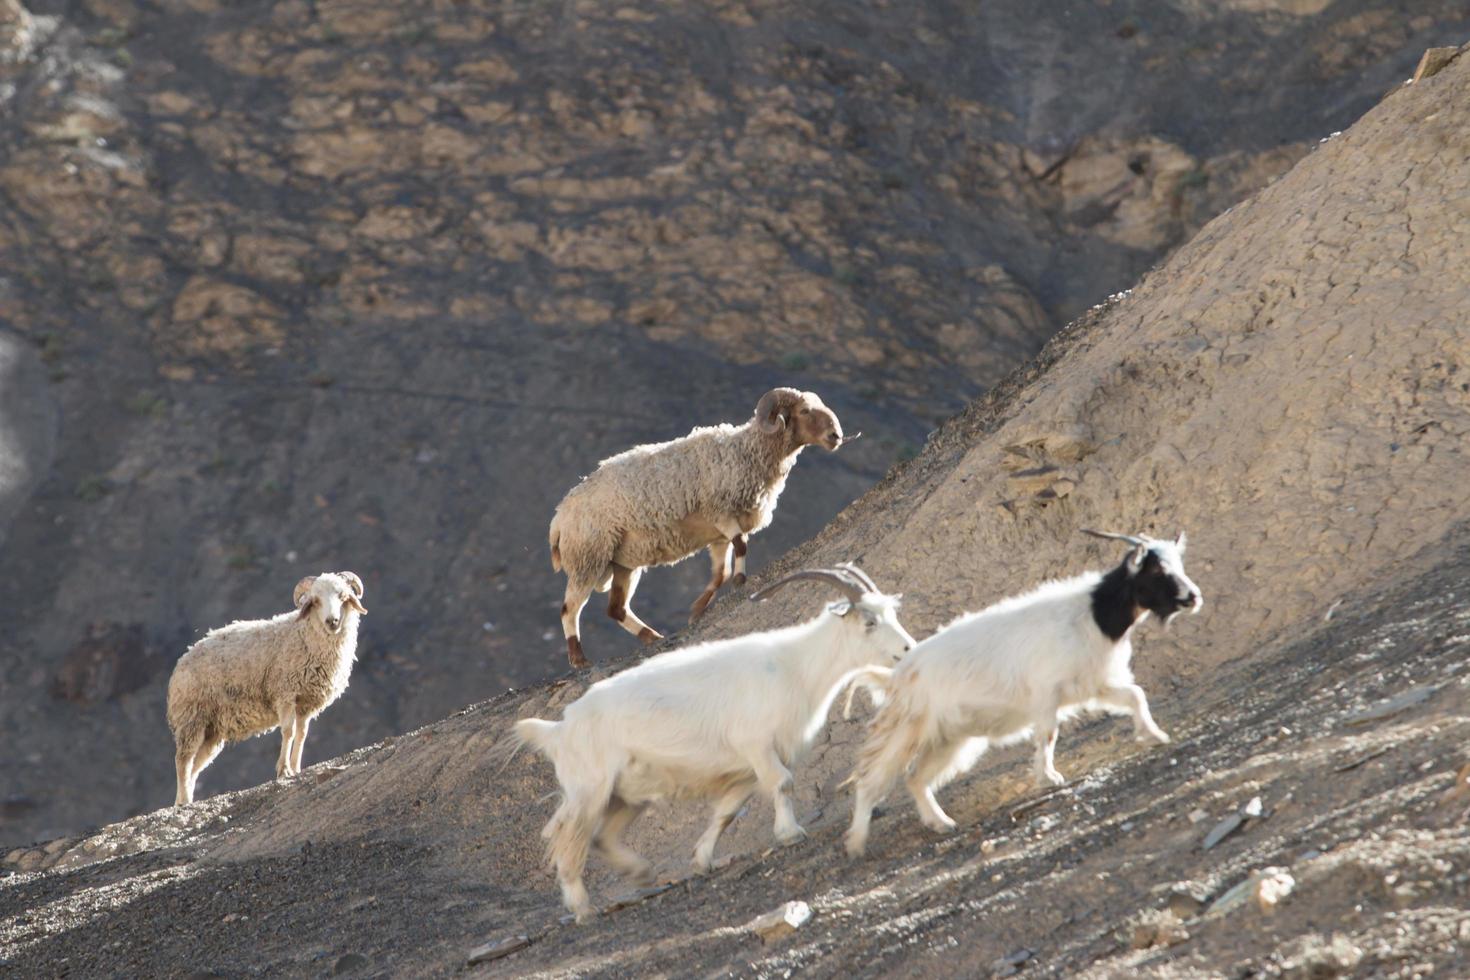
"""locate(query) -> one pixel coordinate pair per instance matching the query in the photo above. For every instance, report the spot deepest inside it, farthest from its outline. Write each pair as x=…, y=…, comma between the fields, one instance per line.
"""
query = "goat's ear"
x=1180, y=541
x=1135, y=558
x=841, y=608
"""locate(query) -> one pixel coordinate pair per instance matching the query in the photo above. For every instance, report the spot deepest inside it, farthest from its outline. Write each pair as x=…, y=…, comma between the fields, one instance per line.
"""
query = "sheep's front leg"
x=302, y=723
x=288, y=733
x=724, y=812
x=775, y=781
x=738, y=543
x=719, y=556
x=1130, y=697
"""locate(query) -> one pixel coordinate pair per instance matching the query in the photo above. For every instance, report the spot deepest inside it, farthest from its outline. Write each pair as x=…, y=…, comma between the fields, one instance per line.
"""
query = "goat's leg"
x=624, y=583
x=187, y=744
x=569, y=834
x=932, y=762
x=609, y=841
x=738, y=543
x=571, y=614
x=725, y=809
x=287, y=715
x=1045, y=733
x=303, y=722
x=719, y=558
x=1130, y=697
x=775, y=781
x=891, y=742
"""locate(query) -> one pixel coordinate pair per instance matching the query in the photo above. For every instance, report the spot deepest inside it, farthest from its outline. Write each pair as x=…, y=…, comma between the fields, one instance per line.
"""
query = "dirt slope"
x=287, y=286
x=1292, y=353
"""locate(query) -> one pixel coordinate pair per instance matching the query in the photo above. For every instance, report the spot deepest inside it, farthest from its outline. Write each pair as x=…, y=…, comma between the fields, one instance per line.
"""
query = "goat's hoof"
x=789, y=837
x=1051, y=780
x=1157, y=737
x=642, y=876
x=940, y=825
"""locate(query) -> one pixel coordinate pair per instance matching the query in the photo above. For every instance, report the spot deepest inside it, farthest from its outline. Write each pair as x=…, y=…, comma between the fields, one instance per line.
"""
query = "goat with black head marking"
x=657, y=504
x=1015, y=669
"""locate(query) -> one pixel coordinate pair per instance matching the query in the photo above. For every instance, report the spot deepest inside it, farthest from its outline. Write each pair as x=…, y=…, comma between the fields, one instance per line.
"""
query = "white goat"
x=717, y=720
x=251, y=676
x=1017, y=668
x=658, y=504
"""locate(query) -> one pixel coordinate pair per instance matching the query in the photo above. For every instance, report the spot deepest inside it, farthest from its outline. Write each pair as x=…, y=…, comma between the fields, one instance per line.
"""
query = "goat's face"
x=806, y=420
x=1159, y=582
x=330, y=598
x=875, y=617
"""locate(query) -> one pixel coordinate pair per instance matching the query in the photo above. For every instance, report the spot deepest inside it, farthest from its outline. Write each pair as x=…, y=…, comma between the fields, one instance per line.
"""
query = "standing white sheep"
x=1014, y=669
x=717, y=720
x=252, y=676
x=658, y=504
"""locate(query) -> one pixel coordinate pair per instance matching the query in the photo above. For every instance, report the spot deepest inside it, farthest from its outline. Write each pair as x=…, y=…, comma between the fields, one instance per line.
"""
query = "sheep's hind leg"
x=184, y=754
x=719, y=554
x=724, y=812
x=624, y=583
x=621, y=813
x=571, y=614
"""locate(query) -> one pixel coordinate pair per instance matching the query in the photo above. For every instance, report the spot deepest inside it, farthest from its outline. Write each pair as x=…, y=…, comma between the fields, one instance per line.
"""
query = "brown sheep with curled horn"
x=659, y=503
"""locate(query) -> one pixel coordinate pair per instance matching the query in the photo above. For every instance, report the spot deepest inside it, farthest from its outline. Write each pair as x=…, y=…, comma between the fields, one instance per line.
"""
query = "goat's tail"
x=895, y=737
x=872, y=678
x=555, y=546
x=542, y=735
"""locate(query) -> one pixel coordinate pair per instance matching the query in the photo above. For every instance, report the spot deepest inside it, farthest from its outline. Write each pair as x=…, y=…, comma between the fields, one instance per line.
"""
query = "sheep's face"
x=875, y=616
x=802, y=416
x=814, y=424
x=330, y=598
x=1160, y=585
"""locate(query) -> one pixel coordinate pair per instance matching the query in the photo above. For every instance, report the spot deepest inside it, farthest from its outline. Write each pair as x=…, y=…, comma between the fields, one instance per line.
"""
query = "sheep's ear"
x=1135, y=558
x=306, y=608
x=355, y=604
x=302, y=588
x=1180, y=541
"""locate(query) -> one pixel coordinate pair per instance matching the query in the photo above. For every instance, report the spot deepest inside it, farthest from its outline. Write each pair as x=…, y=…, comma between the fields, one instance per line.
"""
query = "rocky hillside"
x=1287, y=387
x=354, y=284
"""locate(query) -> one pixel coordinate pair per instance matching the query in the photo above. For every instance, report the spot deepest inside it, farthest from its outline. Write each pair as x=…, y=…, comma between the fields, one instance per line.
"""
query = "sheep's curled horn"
x=354, y=583
x=842, y=578
x=302, y=587
x=773, y=404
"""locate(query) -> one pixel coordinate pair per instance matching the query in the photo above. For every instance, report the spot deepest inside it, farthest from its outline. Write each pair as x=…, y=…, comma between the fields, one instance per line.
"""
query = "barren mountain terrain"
x=1289, y=387
x=294, y=286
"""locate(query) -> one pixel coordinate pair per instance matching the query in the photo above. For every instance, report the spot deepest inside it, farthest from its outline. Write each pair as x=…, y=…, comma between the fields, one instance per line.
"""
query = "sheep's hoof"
x=856, y=846
x=649, y=635
x=575, y=656
x=739, y=578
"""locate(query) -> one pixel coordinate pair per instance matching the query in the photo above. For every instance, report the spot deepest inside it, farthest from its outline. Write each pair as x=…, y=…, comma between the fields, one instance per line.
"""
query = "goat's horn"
x=1131, y=539
x=843, y=581
x=863, y=577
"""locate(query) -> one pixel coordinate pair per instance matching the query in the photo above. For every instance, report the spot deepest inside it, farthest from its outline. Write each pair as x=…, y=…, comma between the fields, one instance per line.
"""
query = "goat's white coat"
x=715, y=720
x=1015, y=669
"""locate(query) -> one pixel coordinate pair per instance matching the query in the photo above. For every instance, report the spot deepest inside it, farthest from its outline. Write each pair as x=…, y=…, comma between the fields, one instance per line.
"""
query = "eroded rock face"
x=113, y=659
x=371, y=285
